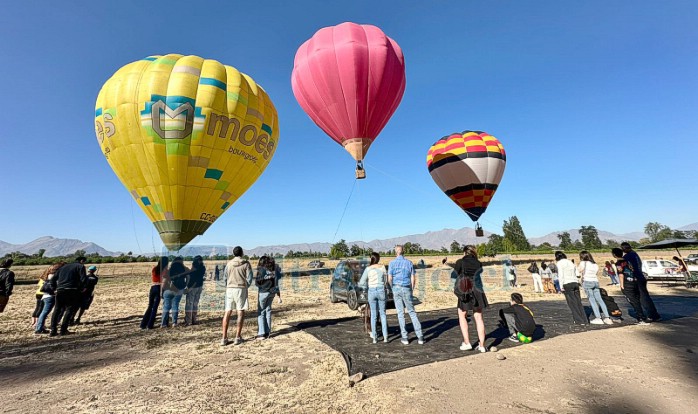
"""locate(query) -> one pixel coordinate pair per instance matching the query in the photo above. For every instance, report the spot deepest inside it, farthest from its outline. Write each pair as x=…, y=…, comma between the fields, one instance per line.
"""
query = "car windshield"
x=357, y=269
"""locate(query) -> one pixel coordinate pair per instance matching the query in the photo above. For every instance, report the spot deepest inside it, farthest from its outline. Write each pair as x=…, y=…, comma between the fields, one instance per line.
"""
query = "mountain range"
x=431, y=240
x=54, y=247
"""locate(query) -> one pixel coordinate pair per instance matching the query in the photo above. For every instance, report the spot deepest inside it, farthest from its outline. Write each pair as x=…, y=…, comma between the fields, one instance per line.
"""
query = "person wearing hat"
x=88, y=293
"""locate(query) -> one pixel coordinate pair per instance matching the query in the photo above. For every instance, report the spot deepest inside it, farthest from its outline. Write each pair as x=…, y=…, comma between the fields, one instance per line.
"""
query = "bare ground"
x=110, y=365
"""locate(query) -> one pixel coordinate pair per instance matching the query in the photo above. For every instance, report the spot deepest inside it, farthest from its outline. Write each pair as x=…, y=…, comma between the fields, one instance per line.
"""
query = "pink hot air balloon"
x=350, y=79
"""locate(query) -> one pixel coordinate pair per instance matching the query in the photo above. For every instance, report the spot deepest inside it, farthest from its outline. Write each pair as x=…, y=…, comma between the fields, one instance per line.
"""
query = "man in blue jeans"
x=401, y=277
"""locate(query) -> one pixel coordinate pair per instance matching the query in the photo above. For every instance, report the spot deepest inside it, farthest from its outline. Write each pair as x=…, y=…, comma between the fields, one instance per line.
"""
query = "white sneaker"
x=404, y=341
x=465, y=347
x=482, y=349
x=420, y=341
x=608, y=321
x=596, y=321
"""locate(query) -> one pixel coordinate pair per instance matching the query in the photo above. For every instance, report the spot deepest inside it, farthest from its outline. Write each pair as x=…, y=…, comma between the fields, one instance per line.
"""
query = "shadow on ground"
x=443, y=337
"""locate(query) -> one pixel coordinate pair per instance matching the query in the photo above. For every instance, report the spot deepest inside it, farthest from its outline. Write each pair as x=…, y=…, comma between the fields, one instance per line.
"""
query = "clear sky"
x=596, y=103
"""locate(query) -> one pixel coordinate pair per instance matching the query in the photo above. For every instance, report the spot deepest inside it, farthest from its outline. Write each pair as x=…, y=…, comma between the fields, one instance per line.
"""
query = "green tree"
x=590, y=237
x=678, y=234
x=514, y=233
x=455, y=247
x=565, y=240
x=41, y=252
x=355, y=250
x=339, y=249
x=289, y=254
x=79, y=253
x=444, y=250
x=495, y=244
x=657, y=232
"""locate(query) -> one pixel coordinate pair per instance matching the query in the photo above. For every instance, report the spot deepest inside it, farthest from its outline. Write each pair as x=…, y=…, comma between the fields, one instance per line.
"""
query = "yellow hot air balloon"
x=187, y=137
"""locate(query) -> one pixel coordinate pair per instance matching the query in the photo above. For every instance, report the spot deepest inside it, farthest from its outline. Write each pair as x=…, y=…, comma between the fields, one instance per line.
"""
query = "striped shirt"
x=401, y=270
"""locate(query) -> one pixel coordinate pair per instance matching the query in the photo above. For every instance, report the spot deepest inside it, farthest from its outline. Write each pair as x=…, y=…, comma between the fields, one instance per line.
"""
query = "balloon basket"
x=360, y=172
x=479, y=232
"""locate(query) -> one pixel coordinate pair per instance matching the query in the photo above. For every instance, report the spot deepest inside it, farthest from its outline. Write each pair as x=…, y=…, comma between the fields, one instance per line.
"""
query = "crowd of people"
x=67, y=290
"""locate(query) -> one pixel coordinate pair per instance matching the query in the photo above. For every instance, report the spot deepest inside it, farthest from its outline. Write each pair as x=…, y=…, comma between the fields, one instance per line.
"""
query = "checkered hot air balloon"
x=468, y=167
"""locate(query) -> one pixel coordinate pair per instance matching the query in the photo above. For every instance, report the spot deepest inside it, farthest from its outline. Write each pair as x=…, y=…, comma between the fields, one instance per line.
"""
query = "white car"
x=663, y=269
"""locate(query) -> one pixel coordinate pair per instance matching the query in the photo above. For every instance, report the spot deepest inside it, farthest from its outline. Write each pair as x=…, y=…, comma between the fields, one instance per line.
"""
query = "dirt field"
x=110, y=365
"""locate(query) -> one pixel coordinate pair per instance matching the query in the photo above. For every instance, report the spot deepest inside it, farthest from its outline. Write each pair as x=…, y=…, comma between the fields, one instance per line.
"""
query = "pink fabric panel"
x=349, y=79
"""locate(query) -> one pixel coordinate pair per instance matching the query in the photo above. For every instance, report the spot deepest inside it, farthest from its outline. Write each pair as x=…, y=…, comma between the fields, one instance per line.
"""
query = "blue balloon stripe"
x=213, y=82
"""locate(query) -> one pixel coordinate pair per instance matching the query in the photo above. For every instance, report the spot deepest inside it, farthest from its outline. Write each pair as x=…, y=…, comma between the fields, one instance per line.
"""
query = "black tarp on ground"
x=443, y=336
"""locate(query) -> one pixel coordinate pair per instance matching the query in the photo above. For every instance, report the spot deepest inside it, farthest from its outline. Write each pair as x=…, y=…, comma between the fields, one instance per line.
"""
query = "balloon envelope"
x=349, y=79
x=187, y=137
x=468, y=167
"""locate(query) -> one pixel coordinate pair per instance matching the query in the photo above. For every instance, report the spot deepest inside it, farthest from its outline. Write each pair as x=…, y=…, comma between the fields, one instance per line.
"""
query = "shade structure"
x=186, y=136
x=671, y=244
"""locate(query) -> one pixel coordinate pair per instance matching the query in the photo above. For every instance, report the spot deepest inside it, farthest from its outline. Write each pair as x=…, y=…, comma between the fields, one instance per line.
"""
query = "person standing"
x=374, y=279
x=628, y=285
x=238, y=277
x=68, y=283
x=173, y=284
x=156, y=274
x=611, y=272
x=401, y=277
x=535, y=274
x=216, y=273
x=518, y=318
x=48, y=298
x=267, y=281
x=88, y=294
x=567, y=274
x=39, y=294
x=195, y=285
x=7, y=282
x=590, y=282
x=556, y=279
x=469, y=271
x=547, y=277
x=635, y=263
x=510, y=273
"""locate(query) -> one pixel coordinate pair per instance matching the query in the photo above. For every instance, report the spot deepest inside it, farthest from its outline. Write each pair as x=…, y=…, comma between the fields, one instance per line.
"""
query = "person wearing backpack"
x=537, y=281
x=173, y=284
x=7, y=282
x=518, y=318
x=471, y=296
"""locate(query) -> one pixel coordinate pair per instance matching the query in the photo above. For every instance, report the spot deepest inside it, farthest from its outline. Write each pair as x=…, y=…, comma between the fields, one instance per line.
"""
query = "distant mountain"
x=429, y=240
x=574, y=234
x=690, y=227
x=54, y=247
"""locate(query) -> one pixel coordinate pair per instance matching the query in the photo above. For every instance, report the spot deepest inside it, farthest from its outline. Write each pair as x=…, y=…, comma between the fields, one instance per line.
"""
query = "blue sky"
x=595, y=103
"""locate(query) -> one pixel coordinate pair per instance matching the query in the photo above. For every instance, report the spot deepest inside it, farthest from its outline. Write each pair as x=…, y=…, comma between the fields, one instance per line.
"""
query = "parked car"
x=691, y=259
x=344, y=285
x=316, y=264
x=660, y=269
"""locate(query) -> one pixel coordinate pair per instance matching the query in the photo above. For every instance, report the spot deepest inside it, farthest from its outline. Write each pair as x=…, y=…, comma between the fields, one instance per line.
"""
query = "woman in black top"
x=195, y=285
x=267, y=280
x=475, y=300
x=173, y=284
